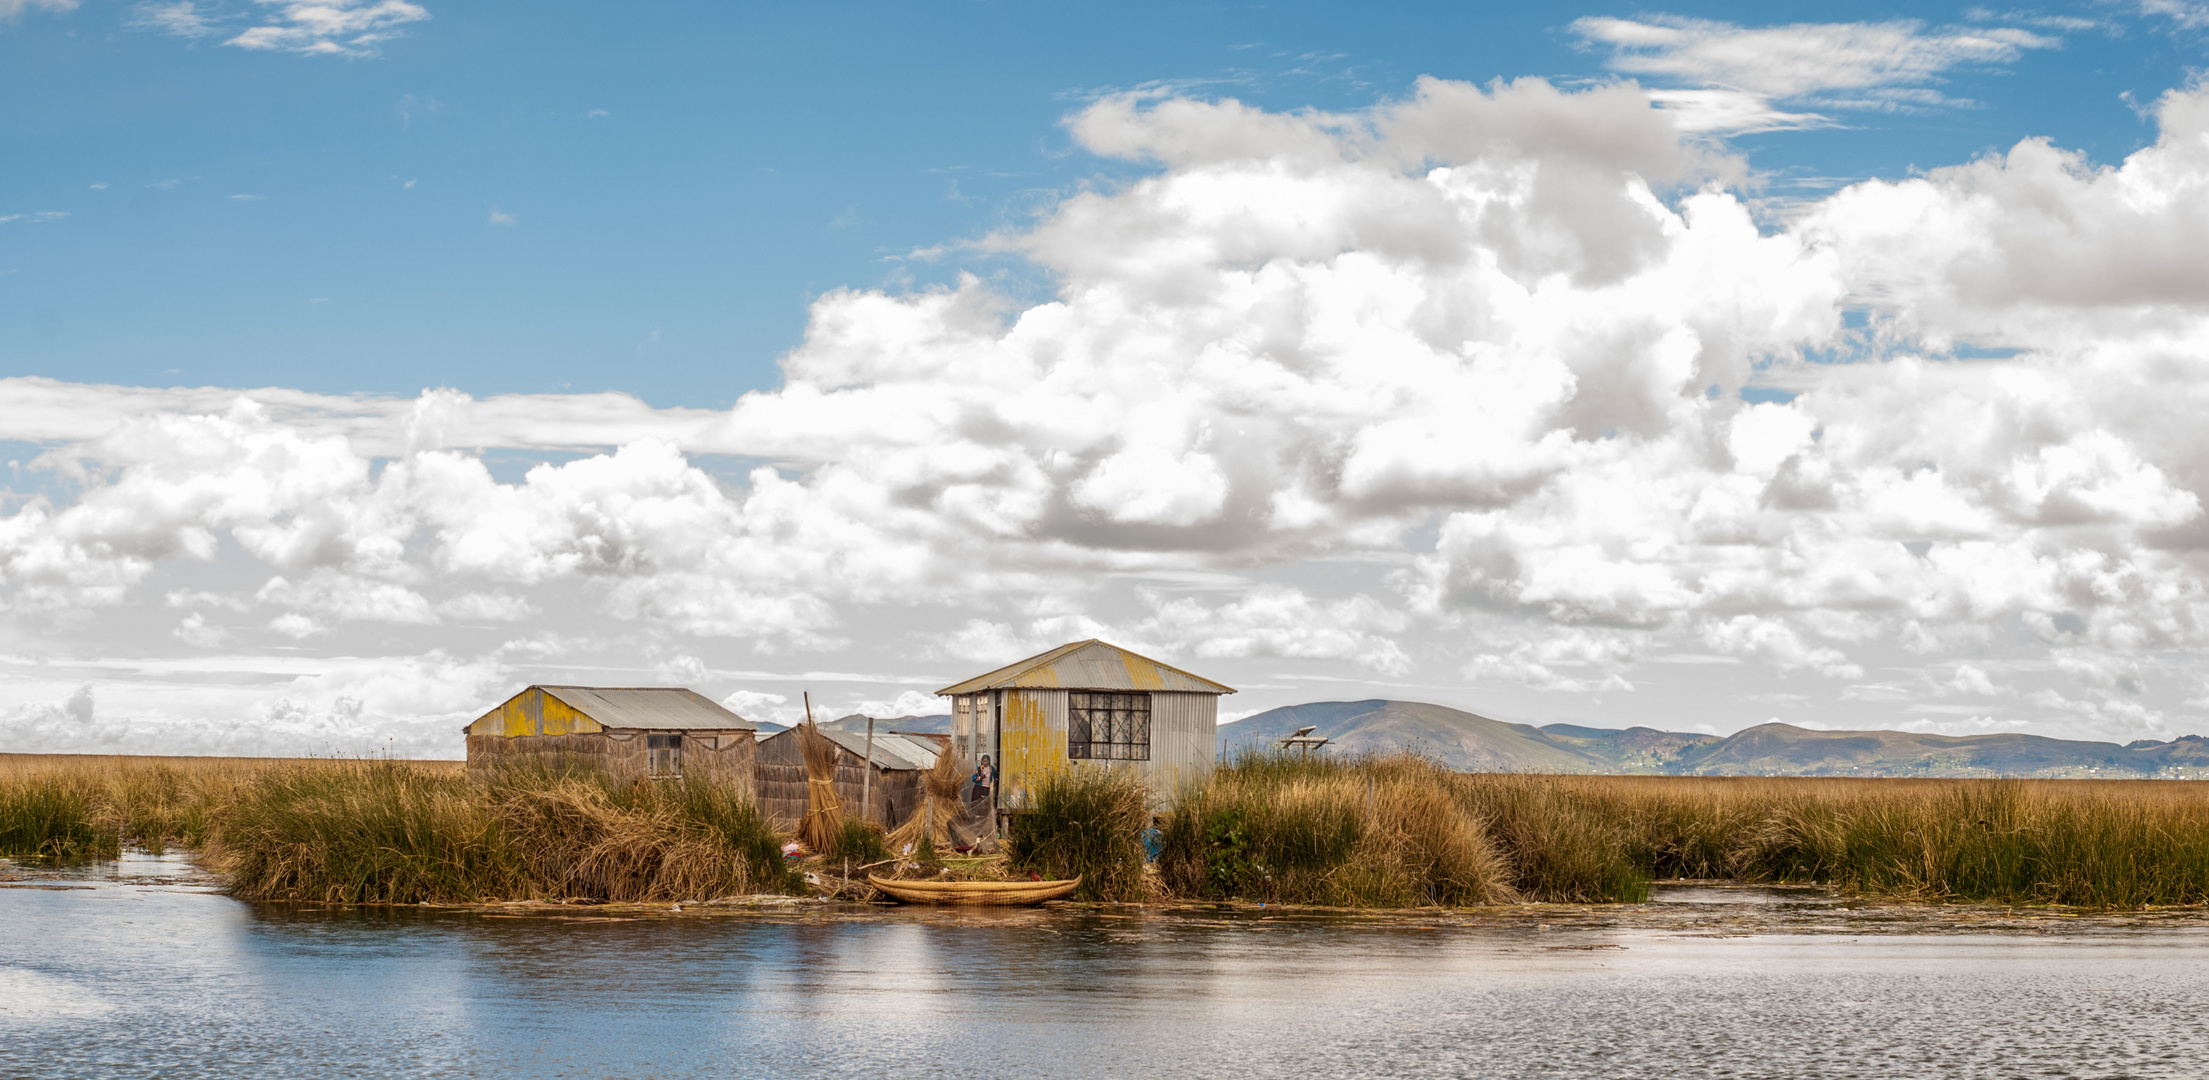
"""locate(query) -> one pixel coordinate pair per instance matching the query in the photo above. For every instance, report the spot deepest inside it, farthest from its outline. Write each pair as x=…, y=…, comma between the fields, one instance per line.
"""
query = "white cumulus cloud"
x=1451, y=389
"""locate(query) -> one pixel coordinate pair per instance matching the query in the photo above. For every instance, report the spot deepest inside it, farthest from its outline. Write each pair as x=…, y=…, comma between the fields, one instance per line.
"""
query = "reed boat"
x=998, y=893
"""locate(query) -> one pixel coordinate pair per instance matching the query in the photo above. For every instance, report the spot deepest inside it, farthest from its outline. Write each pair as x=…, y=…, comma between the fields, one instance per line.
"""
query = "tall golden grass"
x=2095, y=843
x=1371, y=832
x=1397, y=830
x=389, y=832
x=1383, y=832
x=74, y=805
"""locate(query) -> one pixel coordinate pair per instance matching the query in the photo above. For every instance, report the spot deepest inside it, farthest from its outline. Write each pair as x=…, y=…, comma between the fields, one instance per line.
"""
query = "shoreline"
x=1678, y=906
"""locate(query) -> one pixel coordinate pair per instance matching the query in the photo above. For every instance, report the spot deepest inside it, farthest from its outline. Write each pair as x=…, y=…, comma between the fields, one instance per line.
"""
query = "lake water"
x=144, y=973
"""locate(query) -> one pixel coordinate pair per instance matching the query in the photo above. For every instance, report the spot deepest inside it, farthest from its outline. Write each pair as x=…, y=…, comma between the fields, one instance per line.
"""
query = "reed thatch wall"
x=781, y=772
x=724, y=756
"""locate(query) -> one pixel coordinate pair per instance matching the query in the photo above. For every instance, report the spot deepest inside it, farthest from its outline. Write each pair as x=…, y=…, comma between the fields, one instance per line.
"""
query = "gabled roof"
x=1089, y=665
x=655, y=707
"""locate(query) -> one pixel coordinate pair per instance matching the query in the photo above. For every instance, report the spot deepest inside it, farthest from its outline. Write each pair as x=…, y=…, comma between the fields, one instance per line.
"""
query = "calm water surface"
x=160, y=979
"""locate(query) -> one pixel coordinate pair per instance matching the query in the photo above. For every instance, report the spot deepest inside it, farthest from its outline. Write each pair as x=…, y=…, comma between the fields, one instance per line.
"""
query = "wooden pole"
x=866, y=778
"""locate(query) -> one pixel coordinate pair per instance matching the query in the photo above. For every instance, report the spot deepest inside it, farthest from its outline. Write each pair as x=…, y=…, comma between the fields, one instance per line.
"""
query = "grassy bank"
x=400, y=832
x=1394, y=831
x=71, y=805
x=2097, y=843
x=1086, y=823
x=1382, y=832
x=1397, y=830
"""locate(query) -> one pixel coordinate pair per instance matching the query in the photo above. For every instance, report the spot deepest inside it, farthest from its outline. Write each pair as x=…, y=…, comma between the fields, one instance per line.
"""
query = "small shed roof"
x=656, y=707
x=892, y=749
x=1090, y=665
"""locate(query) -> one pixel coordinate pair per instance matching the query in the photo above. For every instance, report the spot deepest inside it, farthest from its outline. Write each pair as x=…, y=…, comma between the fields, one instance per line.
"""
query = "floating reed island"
x=1376, y=832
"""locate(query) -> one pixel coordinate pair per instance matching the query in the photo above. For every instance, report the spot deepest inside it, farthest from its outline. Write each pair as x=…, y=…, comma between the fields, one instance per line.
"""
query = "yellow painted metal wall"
x=560, y=718
x=533, y=712
x=1032, y=738
x=1033, y=741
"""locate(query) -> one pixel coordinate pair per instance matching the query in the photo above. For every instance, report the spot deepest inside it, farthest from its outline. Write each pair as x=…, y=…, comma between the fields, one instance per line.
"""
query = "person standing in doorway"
x=984, y=781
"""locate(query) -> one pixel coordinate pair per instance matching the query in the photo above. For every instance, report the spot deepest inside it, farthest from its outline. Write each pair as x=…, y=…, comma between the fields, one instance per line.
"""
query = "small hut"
x=657, y=732
x=1087, y=703
x=898, y=762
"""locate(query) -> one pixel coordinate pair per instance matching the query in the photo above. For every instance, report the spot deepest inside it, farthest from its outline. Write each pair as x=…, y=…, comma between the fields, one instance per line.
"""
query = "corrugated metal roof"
x=658, y=707
x=1090, y=665
x=891, y=751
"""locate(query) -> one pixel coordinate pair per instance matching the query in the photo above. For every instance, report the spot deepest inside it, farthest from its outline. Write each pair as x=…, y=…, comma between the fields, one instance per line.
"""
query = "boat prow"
x=997, y=893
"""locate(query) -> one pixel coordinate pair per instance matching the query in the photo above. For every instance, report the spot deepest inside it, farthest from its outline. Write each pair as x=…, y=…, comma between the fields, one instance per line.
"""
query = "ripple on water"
x=147, y=973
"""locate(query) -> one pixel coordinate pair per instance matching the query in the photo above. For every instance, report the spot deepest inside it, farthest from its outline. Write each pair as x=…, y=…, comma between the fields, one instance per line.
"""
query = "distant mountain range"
x=1474, y=743
x=1465, y=741
x=938, y=724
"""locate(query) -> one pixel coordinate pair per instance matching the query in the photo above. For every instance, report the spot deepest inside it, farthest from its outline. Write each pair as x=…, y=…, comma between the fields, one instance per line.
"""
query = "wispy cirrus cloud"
x=306, y=27
x=1733, y=78
x=11, y=10
x=2186, y=14
x=183, y=19
x=330, y=27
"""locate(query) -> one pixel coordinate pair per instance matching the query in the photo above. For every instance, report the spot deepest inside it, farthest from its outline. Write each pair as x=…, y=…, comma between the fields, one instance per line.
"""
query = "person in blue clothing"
x=984, y=781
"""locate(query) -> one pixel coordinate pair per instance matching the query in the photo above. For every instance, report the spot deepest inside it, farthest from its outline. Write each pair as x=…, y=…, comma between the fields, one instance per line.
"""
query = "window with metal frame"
x=1108, y=727
x=663, y=755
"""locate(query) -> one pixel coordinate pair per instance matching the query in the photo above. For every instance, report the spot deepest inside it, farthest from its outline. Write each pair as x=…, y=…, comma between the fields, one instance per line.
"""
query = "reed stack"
x=938, y=824
x=823, y=825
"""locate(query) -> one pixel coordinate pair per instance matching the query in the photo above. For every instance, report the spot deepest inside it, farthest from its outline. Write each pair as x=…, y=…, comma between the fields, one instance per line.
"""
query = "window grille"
x=663, y=755
x=1108, y=727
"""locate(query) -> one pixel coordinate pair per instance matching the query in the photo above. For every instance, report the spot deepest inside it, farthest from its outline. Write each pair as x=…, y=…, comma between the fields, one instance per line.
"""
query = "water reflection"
x=149, y=974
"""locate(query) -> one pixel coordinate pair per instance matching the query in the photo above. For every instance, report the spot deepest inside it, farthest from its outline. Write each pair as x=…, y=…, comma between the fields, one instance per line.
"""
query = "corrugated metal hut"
x=899, y=760
x=658, y=732
x=1091, y=703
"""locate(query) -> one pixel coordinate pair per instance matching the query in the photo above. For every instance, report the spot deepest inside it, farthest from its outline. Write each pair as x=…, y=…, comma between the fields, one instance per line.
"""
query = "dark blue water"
x=172, y=981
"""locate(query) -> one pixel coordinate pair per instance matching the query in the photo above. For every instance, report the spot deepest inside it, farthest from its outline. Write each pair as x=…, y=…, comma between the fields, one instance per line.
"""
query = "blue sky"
x=1686, y=365
x=682, y=181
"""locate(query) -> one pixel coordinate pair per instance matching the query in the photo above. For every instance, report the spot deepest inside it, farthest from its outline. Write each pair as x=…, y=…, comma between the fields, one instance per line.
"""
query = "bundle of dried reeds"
x=824, y=812
x=940, y=817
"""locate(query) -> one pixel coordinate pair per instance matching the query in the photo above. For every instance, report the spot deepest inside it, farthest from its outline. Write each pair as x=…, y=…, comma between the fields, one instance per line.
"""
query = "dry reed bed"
x=397, y=832
x=2093, y=843
x=1380, y=832
x=1391, y=830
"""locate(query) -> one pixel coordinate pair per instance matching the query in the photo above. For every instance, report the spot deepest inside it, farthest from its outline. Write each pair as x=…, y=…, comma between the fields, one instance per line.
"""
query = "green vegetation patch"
x=1086, y=822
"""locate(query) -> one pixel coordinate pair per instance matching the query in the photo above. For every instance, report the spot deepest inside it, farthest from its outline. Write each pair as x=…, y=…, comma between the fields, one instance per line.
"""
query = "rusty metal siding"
x=1181, y=745
x=1089, y=665
x=557, y=717
x=1033, y=741
x=1032, y=738
x=962, y=726
x=975, y=729
x=515, y=717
